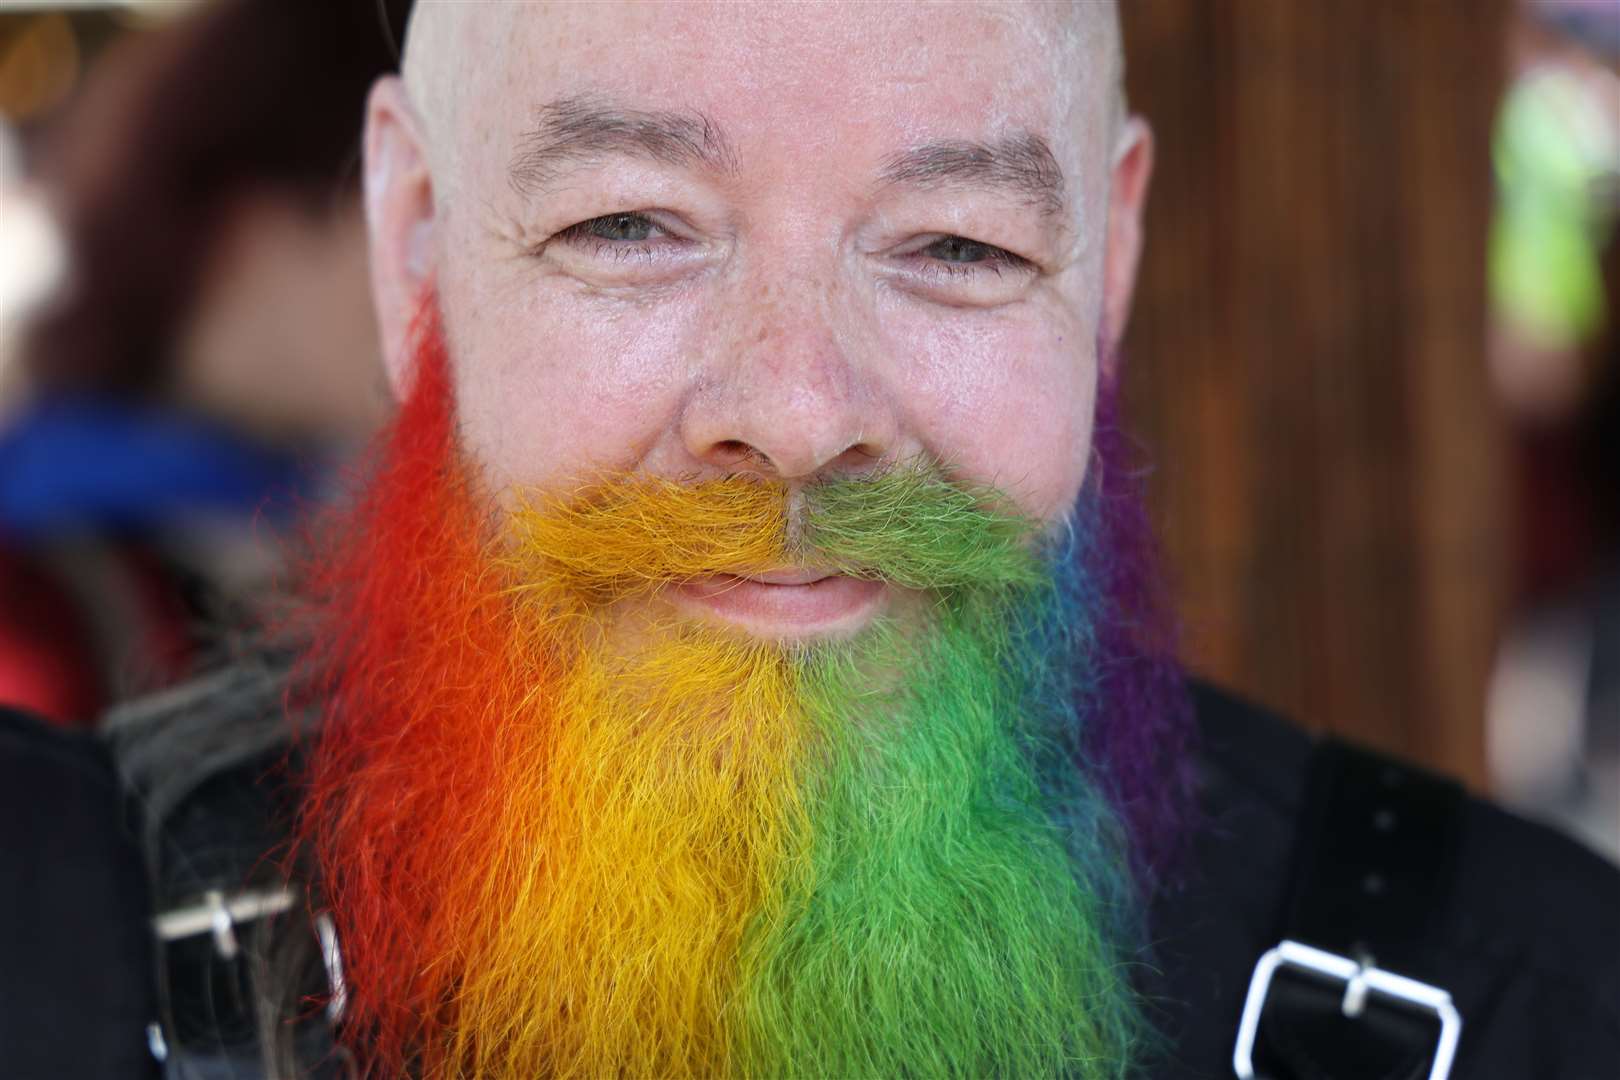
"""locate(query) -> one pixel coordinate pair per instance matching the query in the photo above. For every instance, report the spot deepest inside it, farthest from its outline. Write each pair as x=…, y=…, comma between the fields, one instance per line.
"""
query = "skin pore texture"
x=721, y=671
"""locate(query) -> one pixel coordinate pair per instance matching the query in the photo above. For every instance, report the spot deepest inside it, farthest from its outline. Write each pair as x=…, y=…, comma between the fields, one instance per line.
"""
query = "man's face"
x=867, y=254
x=797, y=240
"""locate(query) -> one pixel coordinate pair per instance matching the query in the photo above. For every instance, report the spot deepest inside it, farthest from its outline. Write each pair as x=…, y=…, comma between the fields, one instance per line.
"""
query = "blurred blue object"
x=79, y=463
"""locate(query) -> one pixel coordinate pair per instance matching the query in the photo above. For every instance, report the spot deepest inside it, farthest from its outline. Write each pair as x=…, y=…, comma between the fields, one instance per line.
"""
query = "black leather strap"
x=1371, y=879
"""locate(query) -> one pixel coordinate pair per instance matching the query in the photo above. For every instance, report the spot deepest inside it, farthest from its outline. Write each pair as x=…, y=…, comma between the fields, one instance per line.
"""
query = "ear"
x=1128, y=187
x=399, y=220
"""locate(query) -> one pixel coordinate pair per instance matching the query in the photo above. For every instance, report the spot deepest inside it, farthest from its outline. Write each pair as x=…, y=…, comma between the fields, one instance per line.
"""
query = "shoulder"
x=1527, y=888
x=59, y=791
x=175, y=795
x=77, y=952
x=66, y=752
x=61, y=797
x=1543, y=912
x=1529, y=941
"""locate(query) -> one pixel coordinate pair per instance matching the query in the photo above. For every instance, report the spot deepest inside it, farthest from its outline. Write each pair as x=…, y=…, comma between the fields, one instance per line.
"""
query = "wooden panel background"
x=1306, y=357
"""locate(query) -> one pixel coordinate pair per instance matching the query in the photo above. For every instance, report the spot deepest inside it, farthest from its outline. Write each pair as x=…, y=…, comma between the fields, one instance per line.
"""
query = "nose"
x=790, y=390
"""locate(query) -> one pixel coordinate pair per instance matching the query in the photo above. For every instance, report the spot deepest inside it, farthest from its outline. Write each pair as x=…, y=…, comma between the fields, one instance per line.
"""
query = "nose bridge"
x=792, y=347
x=790, y=382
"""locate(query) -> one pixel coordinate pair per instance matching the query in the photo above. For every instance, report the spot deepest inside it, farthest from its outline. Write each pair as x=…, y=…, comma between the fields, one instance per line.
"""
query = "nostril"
x=737, y=452
x=859, y=459
x=866, y=451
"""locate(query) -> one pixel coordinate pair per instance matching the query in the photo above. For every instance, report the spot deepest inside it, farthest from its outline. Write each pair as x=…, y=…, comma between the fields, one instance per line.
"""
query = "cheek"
x=1005, y=397
x=554, y=384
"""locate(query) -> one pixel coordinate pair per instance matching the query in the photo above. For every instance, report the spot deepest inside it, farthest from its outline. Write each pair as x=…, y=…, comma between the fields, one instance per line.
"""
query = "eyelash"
x=996, y=259
x=579, y=235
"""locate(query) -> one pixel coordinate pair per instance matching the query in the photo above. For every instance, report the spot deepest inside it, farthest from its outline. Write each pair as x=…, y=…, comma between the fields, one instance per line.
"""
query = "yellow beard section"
x=652, y=814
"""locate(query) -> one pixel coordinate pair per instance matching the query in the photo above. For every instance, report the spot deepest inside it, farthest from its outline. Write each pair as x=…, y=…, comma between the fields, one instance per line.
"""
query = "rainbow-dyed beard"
x=555, y=848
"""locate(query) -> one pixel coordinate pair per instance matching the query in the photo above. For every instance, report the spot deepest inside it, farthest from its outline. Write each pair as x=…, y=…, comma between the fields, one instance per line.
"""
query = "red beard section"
x=408, y=630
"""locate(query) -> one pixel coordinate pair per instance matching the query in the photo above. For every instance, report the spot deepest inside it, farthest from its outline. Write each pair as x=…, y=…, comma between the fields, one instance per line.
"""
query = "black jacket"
x=1529, y=946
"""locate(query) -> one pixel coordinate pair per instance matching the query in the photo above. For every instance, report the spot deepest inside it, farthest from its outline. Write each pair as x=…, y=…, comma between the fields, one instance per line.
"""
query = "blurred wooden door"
x=1306, y=357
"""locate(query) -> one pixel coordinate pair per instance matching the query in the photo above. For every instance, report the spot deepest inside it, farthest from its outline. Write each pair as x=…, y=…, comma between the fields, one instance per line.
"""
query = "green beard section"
x=963, y=906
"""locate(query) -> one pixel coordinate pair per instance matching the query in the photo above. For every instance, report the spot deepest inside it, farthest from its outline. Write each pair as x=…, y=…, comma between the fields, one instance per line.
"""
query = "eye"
x=957, y=256
x=622, y=237
x=615, y=228
x=959, y=249
x=628, y=248
x=960, y=272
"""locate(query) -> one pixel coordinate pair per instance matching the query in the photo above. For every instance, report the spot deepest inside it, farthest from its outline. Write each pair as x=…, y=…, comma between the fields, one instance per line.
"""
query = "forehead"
x=825, y=78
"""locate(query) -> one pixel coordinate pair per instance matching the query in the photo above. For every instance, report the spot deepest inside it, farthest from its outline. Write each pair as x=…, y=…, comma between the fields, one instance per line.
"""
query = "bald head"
x=1097, y=25
x=433, y=29
x=449, y=44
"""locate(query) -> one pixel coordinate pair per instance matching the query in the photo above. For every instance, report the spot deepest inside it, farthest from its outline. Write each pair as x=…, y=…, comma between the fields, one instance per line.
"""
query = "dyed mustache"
x=911, y=525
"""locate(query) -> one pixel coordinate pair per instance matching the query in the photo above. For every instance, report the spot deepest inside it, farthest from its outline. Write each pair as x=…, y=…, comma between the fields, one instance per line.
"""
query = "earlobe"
x=400, y=219
x=1132, y=171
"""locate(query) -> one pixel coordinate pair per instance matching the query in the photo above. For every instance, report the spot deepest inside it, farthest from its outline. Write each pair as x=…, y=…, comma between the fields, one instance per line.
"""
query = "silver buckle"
x=219, y=914
x=1359, y=979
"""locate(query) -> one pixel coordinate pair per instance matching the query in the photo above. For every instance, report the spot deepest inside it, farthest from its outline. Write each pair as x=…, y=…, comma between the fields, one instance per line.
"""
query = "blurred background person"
x=1554, y=706
x=208, y=355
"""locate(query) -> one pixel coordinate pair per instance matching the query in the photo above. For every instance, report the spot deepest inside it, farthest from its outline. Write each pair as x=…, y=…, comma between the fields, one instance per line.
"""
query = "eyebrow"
x=1022, y=164
x=581, y=129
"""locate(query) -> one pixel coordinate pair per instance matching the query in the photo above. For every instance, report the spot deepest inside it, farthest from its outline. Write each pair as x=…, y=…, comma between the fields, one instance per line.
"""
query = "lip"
x=784, y=603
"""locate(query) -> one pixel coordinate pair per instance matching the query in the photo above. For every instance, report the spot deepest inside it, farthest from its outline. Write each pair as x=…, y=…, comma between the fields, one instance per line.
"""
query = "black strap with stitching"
x=1371, y=879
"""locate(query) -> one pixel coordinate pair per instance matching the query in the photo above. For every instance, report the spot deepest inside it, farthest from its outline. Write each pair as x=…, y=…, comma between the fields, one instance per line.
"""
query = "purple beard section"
x=1141, y=735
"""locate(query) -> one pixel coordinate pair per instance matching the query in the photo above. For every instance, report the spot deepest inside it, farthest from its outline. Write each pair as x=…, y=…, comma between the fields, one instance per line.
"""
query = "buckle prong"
x=1355, y=991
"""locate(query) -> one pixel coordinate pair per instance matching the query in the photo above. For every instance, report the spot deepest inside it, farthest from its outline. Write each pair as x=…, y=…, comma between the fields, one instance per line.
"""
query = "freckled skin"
x=792, y=327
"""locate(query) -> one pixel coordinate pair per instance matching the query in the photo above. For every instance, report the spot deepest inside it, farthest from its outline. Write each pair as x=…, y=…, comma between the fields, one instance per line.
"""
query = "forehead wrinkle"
x=584, y=128
x=1022, y=164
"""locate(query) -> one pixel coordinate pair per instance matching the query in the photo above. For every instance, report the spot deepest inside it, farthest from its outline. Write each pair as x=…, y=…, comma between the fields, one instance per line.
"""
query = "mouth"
x=784, y=604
